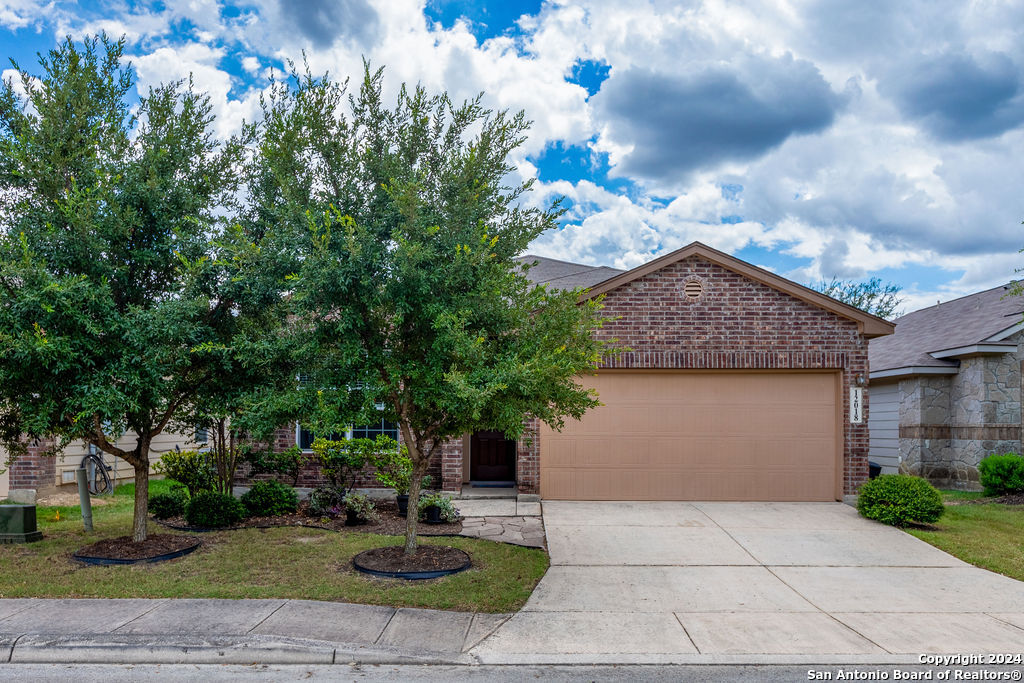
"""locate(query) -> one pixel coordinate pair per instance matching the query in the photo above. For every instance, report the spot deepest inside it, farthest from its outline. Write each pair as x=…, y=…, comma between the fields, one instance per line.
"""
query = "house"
x=736, y=385
x=946, y=387
x=45, y=473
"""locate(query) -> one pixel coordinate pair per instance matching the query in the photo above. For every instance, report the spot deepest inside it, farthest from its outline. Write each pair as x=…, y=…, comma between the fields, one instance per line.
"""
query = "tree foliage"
x=872, y=296
x=123, y=291
x=409, y=283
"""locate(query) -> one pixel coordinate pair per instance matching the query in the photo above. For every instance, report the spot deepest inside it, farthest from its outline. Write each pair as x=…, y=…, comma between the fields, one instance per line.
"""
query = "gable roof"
x=956, y=327
x=869, y=325
x=563, y=274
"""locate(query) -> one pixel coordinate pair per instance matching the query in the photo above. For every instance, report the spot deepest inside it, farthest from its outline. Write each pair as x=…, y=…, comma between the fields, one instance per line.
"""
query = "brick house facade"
x=743, y=319
x=695, y=310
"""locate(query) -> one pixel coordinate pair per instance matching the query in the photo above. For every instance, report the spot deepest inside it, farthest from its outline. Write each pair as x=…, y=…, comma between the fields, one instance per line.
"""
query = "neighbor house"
x=736, y=384
x=946, y=387
x=45, y=473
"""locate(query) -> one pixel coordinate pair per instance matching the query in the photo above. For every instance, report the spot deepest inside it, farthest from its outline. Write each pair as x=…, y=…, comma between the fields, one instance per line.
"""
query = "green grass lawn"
x=987, y=535
x=283, y=562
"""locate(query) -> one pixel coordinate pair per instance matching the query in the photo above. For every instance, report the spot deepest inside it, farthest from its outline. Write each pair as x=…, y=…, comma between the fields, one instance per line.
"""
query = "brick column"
x=35, y=470
x=451, y=466
x=528, y=457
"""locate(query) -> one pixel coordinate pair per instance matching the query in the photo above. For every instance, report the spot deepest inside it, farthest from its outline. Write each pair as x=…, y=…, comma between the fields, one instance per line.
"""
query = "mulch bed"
x=427, y=558
x=389, y=524
x=124, y=548
x=1008, y=499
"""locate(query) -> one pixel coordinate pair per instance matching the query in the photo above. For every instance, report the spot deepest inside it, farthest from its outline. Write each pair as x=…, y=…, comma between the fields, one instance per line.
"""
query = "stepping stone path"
x=517, y=530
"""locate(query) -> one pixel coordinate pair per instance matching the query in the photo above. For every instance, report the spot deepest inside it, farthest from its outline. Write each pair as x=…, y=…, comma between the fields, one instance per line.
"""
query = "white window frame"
x=348, y=432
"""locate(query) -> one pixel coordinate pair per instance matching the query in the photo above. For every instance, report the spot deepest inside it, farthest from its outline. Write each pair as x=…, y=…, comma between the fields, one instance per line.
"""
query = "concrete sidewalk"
x=234, y=631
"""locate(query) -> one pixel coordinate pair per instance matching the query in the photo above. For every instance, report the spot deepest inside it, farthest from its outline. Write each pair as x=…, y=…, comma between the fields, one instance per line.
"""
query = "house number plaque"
x=856, y=405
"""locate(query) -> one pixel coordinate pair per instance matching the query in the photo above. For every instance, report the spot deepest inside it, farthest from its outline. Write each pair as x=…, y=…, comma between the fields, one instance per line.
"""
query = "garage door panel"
x=698, y=436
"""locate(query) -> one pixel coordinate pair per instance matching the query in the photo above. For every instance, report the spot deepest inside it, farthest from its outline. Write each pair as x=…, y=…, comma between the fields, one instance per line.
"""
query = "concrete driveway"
x=751, y=579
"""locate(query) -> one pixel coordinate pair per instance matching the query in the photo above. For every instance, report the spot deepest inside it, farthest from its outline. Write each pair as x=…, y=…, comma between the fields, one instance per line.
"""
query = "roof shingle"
x=564, y=275
x=961, y=322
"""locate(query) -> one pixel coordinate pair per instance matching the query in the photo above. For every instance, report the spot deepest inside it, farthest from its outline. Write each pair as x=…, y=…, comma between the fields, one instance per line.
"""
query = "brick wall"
x=737, y=323
x=35, y=469
x=311, y=477
x=528, y=458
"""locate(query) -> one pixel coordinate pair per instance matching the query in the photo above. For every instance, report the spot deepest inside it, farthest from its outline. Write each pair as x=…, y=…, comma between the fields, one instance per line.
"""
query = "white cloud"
x=251, y=64
x=15, y=14
x=167, y=64
x=874, y=190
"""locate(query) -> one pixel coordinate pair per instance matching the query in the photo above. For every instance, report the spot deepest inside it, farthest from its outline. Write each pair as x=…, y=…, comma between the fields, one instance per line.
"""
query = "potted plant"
x=358, y=509
x=437, y=508
x=394, y=470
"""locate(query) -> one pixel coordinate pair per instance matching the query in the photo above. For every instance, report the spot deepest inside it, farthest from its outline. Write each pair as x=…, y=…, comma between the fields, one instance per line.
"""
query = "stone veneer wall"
x=949, y=423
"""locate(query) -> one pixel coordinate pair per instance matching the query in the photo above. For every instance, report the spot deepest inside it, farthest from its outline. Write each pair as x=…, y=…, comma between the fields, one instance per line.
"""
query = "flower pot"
x=433, y=515
x=352, y=518
x=403, y=504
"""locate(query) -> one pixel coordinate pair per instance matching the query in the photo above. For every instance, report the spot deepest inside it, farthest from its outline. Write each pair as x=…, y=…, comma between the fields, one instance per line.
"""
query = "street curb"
x=178, y=649
x=6, y=648
x=694, y=659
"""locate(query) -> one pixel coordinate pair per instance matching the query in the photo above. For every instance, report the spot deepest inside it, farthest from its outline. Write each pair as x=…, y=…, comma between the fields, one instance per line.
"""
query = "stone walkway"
x=506, y=520
x=525, y=531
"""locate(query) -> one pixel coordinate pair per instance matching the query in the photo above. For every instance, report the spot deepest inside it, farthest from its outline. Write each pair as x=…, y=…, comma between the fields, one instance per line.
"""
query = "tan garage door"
x=698, y=436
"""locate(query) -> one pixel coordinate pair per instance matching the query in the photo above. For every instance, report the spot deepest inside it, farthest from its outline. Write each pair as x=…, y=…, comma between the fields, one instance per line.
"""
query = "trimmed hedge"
x=899, y=499
x=212, y=510
x=1002, y=474
x=270, y=499
x=170, y=504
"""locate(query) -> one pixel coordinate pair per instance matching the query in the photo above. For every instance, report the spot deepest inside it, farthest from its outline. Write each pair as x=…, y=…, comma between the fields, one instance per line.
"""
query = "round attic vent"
x=693, y=289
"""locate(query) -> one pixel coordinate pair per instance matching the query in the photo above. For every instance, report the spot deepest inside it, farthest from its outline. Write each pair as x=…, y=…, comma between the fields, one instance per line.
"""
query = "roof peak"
x=870, y=325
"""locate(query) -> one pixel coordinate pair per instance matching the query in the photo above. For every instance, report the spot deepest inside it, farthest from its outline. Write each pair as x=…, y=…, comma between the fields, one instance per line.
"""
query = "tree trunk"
x=141, y=501
x=231, y=464
x=412, y=514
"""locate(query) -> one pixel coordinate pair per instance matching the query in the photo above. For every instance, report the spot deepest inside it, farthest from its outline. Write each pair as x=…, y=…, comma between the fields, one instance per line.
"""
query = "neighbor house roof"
x=600, y=280
x=930, y=340
x=564, y=275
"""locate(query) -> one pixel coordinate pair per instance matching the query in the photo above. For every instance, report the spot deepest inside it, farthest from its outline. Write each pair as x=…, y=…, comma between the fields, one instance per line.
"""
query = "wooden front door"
x=492, y=457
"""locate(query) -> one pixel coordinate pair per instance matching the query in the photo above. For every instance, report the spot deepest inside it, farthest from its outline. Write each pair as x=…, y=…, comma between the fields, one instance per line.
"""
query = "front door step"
x=474, y=490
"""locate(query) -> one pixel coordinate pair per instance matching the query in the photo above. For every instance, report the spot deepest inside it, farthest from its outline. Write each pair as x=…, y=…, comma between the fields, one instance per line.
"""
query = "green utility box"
x=18, y=524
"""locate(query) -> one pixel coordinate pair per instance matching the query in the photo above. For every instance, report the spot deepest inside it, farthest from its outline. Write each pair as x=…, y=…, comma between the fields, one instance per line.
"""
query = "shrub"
x=270, y=499
x=190, y=468
x=449, y=512
x=394, y=470
x=1002, y=474
x=287, y=463
x=326, y=501
x=212, y=510
x=898, y=499
x=360, y=506
x=343, y=460
x=170, y=504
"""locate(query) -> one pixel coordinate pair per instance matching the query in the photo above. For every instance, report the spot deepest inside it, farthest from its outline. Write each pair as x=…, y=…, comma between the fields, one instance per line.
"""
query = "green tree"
x=124, y=291
x=872, y=296
x=409, y=283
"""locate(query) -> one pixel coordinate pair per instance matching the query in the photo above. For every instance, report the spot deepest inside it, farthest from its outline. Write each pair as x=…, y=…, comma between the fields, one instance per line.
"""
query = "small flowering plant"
x=358, y=505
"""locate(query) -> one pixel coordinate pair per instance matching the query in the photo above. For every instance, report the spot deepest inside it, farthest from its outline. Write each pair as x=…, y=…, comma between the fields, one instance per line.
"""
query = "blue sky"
x=817, y=138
